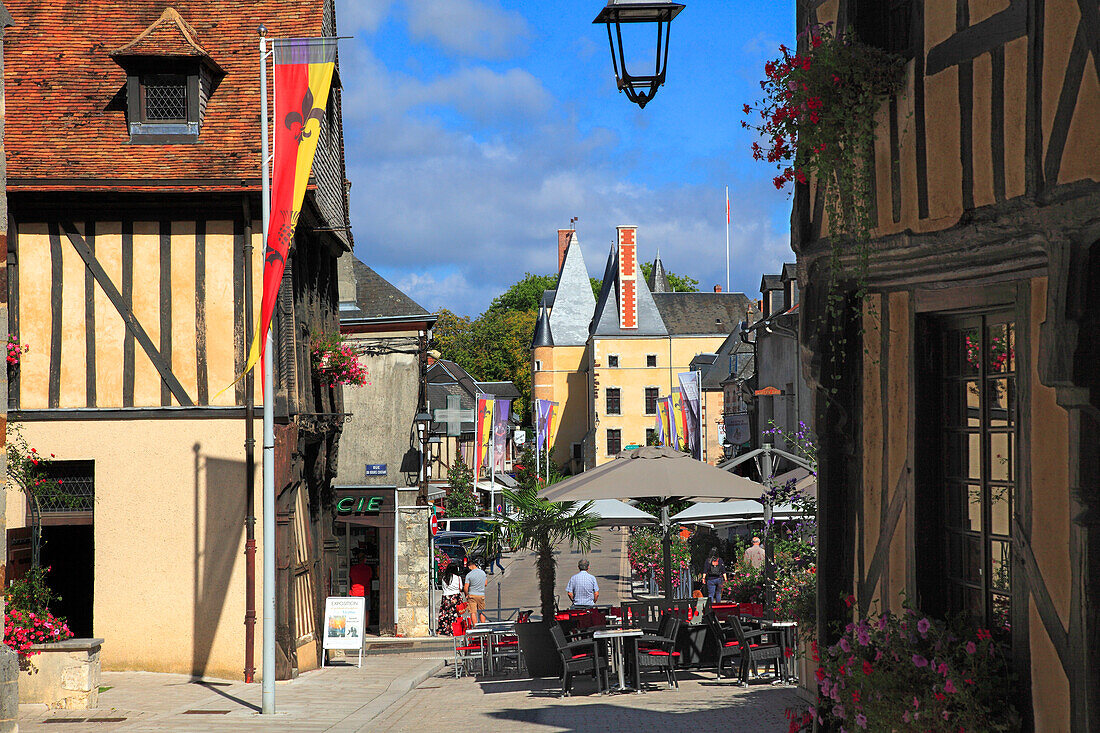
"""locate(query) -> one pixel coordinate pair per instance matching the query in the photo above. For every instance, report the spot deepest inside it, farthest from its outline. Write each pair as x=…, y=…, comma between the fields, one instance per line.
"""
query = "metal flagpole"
x=727, y=239
x=268, y=680
x=700, y=439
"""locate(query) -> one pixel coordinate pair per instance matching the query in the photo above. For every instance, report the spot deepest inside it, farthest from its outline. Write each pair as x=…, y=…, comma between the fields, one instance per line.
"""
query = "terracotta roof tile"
x=66, y=115
x=169, y=35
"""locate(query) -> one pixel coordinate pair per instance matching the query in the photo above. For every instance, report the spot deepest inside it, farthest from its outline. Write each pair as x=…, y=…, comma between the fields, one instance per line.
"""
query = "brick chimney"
x=717, y=288
x=565, y=236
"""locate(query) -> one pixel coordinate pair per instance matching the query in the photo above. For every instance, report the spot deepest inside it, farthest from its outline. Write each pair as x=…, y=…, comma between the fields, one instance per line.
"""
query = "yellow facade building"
x=606, y=361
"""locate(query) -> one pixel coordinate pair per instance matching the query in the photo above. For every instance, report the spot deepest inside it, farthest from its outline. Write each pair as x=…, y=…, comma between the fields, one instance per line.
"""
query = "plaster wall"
x=777, y=365
x=632, y=376
x=381, y=428
x=563, y=379
x=169, y=592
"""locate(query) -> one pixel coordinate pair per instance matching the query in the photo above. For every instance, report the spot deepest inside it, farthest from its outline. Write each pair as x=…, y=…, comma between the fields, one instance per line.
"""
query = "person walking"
x=582, y=589
x=754, y=555
x=496, y=561
x=448, y=603
x=715, y=571
x=475, y=591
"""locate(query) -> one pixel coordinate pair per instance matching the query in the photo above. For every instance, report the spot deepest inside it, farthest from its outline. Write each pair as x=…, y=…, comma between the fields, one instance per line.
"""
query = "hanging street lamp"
x=639, y=89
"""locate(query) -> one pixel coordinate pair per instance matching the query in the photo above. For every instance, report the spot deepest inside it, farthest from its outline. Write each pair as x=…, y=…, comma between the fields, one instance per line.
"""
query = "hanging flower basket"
x=15, y=350
x=335, y=362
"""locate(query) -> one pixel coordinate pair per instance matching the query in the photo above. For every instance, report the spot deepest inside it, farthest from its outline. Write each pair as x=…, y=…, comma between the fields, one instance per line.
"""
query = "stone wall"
x=65, y=675
x=413, y=610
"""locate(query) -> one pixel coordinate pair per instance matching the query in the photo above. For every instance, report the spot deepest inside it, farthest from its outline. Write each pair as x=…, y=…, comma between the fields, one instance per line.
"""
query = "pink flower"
x=949, y=687
x=971, y=647
x=919, y=661
x=923, y=625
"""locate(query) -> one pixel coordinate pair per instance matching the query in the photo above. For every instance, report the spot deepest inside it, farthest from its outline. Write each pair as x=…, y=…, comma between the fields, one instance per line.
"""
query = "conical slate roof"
x=605, y=322
x=658, y=279
x=573, y=301
x=542, y=331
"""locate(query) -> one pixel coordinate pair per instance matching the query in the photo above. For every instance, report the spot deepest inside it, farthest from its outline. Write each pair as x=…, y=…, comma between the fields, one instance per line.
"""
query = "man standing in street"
x=582, y=588
x=755, y=555
x=475, y=590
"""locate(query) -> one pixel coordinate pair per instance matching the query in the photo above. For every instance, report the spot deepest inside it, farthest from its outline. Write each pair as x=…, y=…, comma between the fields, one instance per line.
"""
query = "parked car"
x=464, y=524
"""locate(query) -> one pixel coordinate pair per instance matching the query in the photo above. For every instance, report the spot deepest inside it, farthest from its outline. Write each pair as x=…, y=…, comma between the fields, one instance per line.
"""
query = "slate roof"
x=542, y=335
x=437, y=400
x=790, y=271
x=503, y=390
x=573, y=302
x=720, y=370
x=376, y=297
x=771, y=282
x=605, y=321
x=658, y=280
x=713, y=314
x=66, y=115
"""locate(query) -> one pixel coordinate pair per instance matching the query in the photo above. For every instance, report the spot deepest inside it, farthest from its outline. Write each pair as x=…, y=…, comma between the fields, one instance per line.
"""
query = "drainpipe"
x=249, y=468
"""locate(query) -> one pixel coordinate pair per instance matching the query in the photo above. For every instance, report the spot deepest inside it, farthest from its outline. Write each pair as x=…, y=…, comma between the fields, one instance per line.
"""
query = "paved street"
x=519, y=586
x=381, y=697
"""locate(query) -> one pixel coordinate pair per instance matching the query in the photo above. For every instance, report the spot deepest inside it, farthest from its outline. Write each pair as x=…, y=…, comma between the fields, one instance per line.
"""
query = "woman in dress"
x=452, y=596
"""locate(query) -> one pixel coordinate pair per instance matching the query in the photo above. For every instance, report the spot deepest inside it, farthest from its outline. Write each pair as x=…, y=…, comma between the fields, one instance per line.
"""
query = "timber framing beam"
x=131, y=321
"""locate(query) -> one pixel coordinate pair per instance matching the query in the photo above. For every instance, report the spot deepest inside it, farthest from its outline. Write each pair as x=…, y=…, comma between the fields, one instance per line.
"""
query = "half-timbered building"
x=961, y=465
x=134, y=272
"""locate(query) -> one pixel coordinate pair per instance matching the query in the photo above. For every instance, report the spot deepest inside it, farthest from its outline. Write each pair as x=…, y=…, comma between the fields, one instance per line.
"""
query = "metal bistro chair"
x=466, y=650
x=756, y=651
x=579, y=657
x=729, y=646
x=658, y=651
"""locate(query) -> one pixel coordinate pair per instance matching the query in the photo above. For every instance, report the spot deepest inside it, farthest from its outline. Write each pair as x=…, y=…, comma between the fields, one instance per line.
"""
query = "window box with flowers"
x=15, y=351
x=335, y=362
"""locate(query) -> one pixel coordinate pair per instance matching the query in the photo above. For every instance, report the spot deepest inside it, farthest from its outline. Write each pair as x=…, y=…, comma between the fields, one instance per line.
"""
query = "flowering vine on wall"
x=817, y=121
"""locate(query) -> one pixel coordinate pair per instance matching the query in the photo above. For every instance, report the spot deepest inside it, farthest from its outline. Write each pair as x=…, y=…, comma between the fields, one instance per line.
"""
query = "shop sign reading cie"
x=359, y=505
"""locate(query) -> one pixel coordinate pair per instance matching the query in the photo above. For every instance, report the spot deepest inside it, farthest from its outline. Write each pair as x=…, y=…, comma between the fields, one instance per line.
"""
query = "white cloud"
x=354, y=16
x=481, y=29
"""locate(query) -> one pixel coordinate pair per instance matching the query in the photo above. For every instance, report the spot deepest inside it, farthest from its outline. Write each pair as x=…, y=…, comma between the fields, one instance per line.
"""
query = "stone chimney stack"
x=565, y=236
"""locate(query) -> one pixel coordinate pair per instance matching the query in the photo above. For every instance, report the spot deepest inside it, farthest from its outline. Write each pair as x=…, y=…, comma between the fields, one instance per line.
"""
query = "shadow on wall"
x=219, y=507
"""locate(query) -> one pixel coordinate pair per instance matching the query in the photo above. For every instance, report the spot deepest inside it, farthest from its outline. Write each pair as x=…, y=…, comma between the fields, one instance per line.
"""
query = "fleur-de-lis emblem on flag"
x=296, y=122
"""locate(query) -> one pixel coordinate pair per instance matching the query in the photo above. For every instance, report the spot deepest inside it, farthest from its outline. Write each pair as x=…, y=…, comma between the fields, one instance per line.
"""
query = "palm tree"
x=540, y=526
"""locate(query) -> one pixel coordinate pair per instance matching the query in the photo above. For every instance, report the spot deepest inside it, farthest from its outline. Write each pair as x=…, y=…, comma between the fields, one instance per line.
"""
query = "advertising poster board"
x=345, y=622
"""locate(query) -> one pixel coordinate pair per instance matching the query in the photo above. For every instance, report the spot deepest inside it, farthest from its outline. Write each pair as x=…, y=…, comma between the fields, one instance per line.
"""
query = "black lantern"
x=639, y=89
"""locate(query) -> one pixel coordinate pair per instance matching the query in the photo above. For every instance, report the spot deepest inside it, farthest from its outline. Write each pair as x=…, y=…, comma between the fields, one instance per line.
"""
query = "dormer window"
x=169, y=78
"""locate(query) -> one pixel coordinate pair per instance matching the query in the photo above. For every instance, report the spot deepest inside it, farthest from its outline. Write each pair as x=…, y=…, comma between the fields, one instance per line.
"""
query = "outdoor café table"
x=487, y=631
x=617, y=636
x=786, y=631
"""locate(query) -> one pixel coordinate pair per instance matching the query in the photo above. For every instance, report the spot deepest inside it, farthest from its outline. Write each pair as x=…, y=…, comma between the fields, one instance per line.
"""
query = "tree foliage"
x=525, y=295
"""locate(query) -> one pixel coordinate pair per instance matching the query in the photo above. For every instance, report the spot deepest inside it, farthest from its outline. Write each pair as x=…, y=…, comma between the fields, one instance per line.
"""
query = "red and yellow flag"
x=303, y=75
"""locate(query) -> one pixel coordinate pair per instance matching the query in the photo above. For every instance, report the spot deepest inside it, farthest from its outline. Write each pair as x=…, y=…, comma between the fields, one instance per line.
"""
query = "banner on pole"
x=690, y=399
x=484, y=445
x=502, y=411
x=302, y=79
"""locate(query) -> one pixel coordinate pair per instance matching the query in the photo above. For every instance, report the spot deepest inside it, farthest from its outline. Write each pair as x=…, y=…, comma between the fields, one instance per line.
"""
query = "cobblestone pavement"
x=341, y=699
x=701, y=703
x=381, y=697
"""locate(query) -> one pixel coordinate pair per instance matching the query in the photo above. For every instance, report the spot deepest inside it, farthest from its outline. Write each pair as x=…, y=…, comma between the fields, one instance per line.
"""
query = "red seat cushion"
x=732, y=643
x=659, y=653
x=581, y=656
x=475, y=647
x=507, y=643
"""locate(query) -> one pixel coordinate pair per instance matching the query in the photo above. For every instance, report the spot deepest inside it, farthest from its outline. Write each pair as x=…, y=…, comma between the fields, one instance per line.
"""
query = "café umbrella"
x=615, y=513
x=660, y=474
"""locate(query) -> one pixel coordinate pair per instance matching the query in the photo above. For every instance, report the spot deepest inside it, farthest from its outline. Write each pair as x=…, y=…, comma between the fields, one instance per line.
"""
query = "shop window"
x=651, y=360
x=612, y=398
x=970, y=448
x=651, y=400
x=613, y=361
x=614, y=441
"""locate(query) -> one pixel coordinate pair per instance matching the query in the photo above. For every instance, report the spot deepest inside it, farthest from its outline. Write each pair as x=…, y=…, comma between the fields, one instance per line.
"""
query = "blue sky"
x=476, y=128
